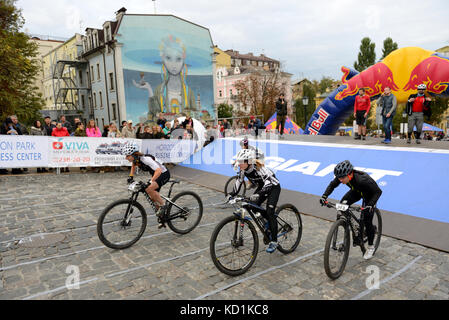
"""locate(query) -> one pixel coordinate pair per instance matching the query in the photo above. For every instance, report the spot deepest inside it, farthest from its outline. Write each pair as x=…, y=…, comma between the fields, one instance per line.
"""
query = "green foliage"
x=308, y=91
x=224, y=111
x=18, y=67
x=326, y=82
x=367, y=55
x=389, y=47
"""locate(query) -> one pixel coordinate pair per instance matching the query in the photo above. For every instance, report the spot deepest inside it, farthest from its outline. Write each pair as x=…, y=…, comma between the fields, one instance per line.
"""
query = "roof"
x=249, y=56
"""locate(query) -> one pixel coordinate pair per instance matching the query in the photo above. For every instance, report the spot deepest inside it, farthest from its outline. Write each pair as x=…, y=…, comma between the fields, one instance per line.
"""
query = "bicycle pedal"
x=162, y=225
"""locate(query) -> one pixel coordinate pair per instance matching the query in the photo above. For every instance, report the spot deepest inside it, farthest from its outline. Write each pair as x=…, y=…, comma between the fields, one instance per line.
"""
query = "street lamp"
x=305, y=102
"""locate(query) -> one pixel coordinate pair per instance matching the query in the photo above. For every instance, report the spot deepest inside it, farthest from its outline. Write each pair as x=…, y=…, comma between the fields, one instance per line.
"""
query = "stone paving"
x=165, y=265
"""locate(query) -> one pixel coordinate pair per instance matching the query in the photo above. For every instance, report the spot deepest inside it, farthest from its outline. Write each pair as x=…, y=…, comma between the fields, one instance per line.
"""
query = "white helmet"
x=129, y=149
x=246, y=155
x=422, y=86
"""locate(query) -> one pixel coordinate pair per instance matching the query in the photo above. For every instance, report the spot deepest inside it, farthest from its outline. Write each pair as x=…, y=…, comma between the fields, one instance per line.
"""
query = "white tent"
x=197, y=127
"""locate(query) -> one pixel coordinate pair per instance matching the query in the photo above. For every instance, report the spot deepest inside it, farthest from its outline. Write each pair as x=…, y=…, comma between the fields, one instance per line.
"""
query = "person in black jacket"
x=418, y=106
x=362, y=186
x=281, y=110
x=48, y=127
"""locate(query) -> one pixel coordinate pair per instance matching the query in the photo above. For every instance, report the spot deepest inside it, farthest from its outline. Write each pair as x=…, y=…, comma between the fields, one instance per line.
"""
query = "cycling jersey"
x=149, y=163
x=362, y=184
x=263, y=178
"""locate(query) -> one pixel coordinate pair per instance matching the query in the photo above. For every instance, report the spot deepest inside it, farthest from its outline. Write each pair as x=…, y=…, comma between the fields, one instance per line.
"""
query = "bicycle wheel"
x=336, y=250
x=114, y=231
x=234, y=246
x=377, y=223
x=186, y=214
x=230, y=185
x=289, y=228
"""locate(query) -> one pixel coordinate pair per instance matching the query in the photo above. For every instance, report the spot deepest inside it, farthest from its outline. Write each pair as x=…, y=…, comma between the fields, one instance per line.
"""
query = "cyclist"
x=362, y=186
x=267, y=188
x=259, y=154
x=160, y=175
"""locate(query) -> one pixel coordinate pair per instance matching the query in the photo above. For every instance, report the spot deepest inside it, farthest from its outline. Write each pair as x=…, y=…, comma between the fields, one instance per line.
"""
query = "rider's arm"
x=133, y=170
x=238, y=183
x=371, y=188
x=330, y=188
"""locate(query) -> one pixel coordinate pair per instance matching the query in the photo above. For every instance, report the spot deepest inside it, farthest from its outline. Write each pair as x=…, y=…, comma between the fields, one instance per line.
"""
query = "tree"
x=224, y=111
x=325, y=83
x=260, y=91
x=309, y=92
x=366, y=56
x=389, y=47
x=18, y=67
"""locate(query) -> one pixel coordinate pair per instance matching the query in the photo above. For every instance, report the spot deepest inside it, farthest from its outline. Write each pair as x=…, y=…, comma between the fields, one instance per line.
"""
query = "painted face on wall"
x=173, y=60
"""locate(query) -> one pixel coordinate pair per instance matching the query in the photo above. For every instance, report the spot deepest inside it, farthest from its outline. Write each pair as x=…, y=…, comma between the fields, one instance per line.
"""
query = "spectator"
x=187, y=121
x=9, y=128
x=167, y=130
x=161, y=121
x=92, y=130
x=105, y=131
x=388, y=103
x=113, y=131
x=281, y=113
x=226, y=126
x=157, y=132
x=148, y=133
x=417, y=104
x=124, y=123
x=38, y=130
x=48, y=126
x=65, y=123
x=140, y=130
x=189, y=133
x=176, y=124
x=75, y=121
x=362, y=106
x=80, y=130
x=21, y=129
x=60, y=131
x=128, y=131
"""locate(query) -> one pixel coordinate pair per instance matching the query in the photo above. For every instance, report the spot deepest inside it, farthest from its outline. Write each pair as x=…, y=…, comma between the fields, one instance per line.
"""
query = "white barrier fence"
x=37, y=151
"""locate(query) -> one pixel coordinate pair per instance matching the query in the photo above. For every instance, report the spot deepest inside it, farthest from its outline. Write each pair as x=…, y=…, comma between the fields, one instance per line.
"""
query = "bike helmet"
x=343, y=169
x=422, y=86
x=246, y=156
x=244, y=142
x=129, y=149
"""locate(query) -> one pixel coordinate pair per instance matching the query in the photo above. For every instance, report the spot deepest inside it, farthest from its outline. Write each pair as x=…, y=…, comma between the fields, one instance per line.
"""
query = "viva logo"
x=70, y=146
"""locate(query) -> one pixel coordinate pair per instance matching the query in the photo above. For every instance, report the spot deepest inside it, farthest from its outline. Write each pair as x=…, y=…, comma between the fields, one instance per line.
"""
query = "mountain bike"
x=336, y=250
x=234, y=243
x=123, y=222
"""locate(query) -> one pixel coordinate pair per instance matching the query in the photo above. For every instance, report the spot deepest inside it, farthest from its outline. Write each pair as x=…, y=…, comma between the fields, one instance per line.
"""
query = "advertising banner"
x=169, y=151
x=23, y=151
x=87, y=152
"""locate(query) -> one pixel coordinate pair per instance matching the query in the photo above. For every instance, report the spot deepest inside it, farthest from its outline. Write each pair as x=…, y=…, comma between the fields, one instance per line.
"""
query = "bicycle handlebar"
x=334, y=205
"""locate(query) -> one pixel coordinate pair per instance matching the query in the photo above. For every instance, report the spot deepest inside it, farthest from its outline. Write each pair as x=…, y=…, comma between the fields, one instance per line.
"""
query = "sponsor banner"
x=169, y=151
x=23, y=151
x=87, y=152
x=413, y=181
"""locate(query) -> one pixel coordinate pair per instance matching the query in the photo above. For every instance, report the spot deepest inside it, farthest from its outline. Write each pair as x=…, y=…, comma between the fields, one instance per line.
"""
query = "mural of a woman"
x=172, y=95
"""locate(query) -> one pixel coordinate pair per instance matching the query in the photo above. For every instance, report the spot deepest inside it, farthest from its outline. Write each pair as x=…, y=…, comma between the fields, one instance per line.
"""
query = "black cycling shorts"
x=163, y=179
x=360, y=118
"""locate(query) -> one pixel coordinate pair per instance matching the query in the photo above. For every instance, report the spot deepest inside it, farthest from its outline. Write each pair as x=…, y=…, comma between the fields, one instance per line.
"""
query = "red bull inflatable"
x=402, y=70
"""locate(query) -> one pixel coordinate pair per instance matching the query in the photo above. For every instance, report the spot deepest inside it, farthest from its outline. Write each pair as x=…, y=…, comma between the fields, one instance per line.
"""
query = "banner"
x=23, y=152
x=43, y=151
x=87, y=152
x=169, y=151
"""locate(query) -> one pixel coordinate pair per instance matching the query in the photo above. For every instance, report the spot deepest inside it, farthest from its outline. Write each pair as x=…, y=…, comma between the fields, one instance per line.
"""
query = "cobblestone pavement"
x=165, y=265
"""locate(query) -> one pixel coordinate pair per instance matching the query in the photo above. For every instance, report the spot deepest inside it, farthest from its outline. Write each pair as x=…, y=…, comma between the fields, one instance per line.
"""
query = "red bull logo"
x=373, y=80
x=316, y=124
x=434, y=72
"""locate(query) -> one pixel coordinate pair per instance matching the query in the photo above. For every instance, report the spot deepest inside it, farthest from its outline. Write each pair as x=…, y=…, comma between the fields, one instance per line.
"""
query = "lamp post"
x=305, y=102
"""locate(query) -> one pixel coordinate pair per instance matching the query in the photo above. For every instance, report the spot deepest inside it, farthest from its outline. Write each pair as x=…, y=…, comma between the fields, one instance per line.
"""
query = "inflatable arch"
x=402, y=70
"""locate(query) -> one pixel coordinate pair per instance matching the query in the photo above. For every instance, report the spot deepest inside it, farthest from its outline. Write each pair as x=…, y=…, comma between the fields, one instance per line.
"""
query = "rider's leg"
x=367, y=217
x=154, y=194
x=272, y=201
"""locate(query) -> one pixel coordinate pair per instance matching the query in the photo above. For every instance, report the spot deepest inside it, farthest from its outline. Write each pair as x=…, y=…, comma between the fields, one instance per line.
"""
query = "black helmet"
x=343, y=169
x=244, y=142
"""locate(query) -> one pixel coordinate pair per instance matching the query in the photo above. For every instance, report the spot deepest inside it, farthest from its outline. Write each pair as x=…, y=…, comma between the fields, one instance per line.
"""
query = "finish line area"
x=413, y=178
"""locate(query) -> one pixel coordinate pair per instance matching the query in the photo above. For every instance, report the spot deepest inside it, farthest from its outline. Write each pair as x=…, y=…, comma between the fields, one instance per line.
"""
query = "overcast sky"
x=311, y=38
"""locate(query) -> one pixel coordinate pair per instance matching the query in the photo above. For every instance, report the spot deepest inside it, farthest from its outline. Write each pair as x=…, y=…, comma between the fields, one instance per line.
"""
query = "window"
x=114, y=111
x=83, y=101
x=111, y=80
x=90, y=102
x=92, y=73
x=80, y=74
x=98, y=71
x=230, y=92
x=101, y=100
x=95, y=100
x=220, y=93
